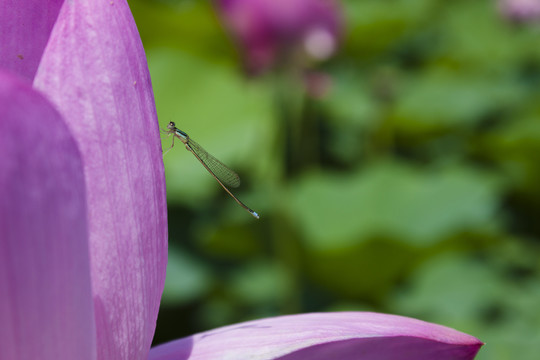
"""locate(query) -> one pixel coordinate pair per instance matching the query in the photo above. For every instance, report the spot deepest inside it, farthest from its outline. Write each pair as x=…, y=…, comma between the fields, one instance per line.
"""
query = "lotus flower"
x=520, y=10
x=92, y=69
x=83, y=214
x=277, y=33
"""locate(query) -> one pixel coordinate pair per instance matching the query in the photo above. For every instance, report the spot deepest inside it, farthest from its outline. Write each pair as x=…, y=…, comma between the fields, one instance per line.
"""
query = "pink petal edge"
x=342, y=335
x=94, y=69
x=25, y=27
x=45, y=295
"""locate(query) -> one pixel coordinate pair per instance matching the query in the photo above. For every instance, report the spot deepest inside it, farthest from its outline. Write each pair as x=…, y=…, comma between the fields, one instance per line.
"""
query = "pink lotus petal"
x=94, y=69
x=345, y=335
x=25, y=26
x=46, y=308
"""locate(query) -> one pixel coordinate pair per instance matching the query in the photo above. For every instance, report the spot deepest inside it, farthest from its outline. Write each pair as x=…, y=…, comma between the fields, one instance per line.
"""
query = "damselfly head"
x=171, y=126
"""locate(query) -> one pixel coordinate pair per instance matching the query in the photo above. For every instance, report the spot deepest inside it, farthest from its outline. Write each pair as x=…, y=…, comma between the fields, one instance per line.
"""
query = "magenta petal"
x=94, y=69
x=46, y=308
x=345, y=335
x=25, y=26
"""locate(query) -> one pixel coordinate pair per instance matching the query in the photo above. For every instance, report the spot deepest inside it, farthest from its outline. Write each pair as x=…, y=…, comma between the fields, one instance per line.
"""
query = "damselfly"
x=216, y=168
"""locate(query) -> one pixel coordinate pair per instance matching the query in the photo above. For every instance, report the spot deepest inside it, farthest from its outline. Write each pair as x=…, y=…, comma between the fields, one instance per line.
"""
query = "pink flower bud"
x=280, y=33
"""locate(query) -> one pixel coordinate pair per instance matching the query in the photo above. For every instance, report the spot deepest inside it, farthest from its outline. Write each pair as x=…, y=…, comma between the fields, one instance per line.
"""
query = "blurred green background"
x=412, y=188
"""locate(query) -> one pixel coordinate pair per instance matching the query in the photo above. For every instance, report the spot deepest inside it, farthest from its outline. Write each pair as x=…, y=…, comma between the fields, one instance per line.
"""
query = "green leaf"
x=187, y=278
x=260, y=283
x=443, y=99
x=417, y=206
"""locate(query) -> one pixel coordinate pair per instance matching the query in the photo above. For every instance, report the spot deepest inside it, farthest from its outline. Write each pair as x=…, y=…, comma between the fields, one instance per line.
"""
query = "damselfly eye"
x=171, y=125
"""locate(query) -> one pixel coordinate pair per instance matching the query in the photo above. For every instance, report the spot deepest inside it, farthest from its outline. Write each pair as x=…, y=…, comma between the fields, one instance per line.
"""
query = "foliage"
x=411, y=188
